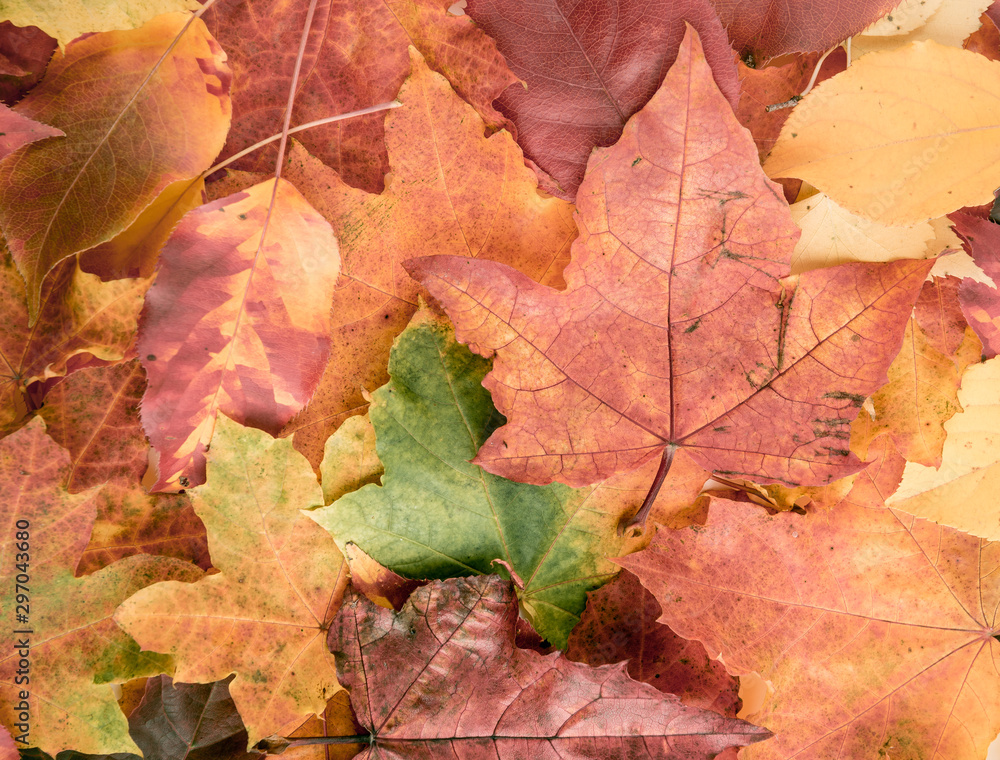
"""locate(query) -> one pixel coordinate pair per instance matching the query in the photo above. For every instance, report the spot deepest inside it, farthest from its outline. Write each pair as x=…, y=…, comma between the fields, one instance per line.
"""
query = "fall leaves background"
x=373, y=406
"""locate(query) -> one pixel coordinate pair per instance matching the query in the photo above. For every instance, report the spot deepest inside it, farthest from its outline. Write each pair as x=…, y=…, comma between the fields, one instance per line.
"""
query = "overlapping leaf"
x=620, y=624
x=130, y=521
x=265, y=614
x=587, y=68
x=877, y=631
x=75, y=647
x=69, y=19
x=189, y=720
x=238, y=321
x=443, y=676
x=356, y=57
x=981, y=302
x=675, y=330
x=451, y=191
x=767, y=28
x=95, y=415
x=901, y=136
x=437, y=516
x=24, y=54
x=17, y=130
x=82, y=322
x=130, y=132
x=961, y=492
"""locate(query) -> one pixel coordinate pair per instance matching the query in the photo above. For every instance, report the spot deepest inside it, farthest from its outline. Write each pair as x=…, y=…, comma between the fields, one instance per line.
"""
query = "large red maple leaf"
x=676, y=328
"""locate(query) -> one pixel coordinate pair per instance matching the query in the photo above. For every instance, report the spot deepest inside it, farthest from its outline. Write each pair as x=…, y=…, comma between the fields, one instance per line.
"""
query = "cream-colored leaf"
x=960, y=264
x=900, y=137
x=68, y=19
x=948, y=22
x=904, y=18
x=962, y=493
x=832, y=235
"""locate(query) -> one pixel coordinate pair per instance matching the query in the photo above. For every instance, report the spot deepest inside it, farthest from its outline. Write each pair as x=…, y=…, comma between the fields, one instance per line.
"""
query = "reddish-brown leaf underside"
x=981, y=302
x=877, y=630
x=768, y=28
x=620, y=624
x=587, y=68
x=675, y=329
x=356, y=56
x=238, y=321
x=24, y=54
x=446, y=668
x=938, y=311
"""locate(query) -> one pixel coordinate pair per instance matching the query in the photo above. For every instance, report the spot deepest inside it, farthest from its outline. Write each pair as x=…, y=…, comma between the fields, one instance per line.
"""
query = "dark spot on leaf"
x=151, y=357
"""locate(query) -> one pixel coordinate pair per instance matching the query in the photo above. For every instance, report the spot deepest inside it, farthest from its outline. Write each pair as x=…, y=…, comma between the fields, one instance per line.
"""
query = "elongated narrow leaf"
x=443, y=678
x=130, y=132
x=17, y=130
x=235, y=323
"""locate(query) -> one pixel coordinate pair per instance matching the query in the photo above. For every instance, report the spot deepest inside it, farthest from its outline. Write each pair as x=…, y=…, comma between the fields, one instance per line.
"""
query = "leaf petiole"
x=638, y=520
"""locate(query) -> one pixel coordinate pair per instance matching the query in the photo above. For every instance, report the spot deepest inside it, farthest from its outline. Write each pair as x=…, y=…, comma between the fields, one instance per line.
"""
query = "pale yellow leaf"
x=832, y=235
x=68, y=19
x=901, y=136
x=948, y=22
x=962, y=493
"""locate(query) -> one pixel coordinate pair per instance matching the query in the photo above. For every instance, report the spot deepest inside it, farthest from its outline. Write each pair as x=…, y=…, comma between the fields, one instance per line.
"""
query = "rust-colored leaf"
x=265, y=615
x=675, y=329
x=876, y=630
x=356, y=57
x=445, y=670
x=129, y=134
x=775, y=85
x=451, y=188
x=238, y=321
x=587, y=70
x=74, y=648
x=768, y=28
x=620, y=624
x=95, y=414
x=17, y=130
x=132, y=522
x=82, y=322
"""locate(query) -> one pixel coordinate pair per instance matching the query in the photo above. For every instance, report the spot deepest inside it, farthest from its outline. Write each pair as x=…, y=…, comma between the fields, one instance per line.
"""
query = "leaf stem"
x=638, y=520
x=300, y=128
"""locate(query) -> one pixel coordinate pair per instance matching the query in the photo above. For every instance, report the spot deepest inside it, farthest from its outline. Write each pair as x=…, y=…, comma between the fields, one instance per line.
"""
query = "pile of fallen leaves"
x=499, y=380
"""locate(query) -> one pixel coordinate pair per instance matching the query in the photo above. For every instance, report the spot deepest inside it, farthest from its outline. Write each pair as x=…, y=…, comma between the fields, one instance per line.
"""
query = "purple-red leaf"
x=442, y=678
x=587, y=68
x=767, y=28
